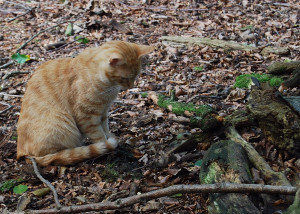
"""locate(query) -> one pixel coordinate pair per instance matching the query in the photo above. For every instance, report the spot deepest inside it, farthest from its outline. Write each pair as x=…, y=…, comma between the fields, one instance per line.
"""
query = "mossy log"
x=284, y=67
x=239, y=119
x=202, y=116
x=287, y=68
x=279, y=123
x=226, y=161
x=217, y=43
x=226, y=45
x=294, y=81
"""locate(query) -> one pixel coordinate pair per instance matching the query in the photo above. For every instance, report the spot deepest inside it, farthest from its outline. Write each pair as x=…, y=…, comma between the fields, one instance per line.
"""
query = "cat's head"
x=123, y=62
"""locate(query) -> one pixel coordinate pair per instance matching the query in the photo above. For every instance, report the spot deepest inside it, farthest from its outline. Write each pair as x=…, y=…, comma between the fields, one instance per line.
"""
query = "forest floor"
x=199, y=74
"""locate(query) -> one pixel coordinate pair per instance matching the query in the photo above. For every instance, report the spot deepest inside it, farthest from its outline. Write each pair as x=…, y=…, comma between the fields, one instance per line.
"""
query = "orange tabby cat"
x=68, y=98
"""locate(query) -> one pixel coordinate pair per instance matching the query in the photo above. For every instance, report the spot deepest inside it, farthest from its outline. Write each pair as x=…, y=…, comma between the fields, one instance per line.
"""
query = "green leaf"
x=41, y=192
x=82, y=40
x=69, y=30
x=198, y=163
x=247, y=27
x=7, y=185
x=177, y=195
x=20, y=58
x=144, y=94
x=20, y=189
x=198, y=68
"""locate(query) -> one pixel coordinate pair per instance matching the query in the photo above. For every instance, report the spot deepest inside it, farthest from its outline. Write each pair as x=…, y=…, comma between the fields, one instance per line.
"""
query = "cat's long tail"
x=78, y=154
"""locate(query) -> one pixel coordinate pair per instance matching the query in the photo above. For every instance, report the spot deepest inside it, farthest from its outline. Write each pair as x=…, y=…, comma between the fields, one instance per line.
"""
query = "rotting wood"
x=227, y=161
x=273, y=178
x=279, y=123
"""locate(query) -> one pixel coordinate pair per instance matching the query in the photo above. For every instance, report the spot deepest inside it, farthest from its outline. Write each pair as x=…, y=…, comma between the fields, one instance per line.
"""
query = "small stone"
x=247, y=35
x=77, y=29
x=13, y=91
x=81, y=199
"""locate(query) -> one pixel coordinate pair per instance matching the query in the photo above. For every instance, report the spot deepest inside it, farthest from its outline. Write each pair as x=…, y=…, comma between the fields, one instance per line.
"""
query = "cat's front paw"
x=112, y=141
x=110, y=135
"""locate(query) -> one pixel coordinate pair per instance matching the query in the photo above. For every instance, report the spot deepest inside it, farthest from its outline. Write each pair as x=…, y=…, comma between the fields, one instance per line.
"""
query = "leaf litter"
x=200, y=74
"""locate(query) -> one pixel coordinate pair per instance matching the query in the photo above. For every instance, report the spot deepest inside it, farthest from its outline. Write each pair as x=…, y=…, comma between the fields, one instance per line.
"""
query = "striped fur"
x=70, y=98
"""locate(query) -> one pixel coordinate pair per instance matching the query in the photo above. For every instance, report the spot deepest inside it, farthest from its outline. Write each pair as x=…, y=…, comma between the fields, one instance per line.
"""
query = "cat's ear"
x=144, y=49
x=115, y=60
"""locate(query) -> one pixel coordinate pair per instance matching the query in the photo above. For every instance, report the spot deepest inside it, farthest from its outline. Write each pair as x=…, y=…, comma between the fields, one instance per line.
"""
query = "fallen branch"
x=207, y=188
x=58, y=205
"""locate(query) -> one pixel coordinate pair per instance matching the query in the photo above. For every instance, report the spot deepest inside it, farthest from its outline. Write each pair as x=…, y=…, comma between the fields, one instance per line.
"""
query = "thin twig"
x=162, y=8
x=205, y=188
x=7, y=109
x=42, y=31
x=10, y=95
x=7, y=64
x=58, y=205
x=64, y=45
x=9, y=74
x=12, y=19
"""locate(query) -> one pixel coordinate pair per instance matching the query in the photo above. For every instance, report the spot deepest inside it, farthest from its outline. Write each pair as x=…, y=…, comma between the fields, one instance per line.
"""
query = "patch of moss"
x=247, y=27
x=275, y=81
x=244, y=80
x=213, y=174
x=179, y=107
x=110, y=173
x=144, y=94
x=7, y=185
x=198, y=68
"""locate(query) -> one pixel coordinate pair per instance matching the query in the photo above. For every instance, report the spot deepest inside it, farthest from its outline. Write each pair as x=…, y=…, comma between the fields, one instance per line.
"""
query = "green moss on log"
x=244, y=80
x=179, y=107
x=284, y=67
x=204, y=116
